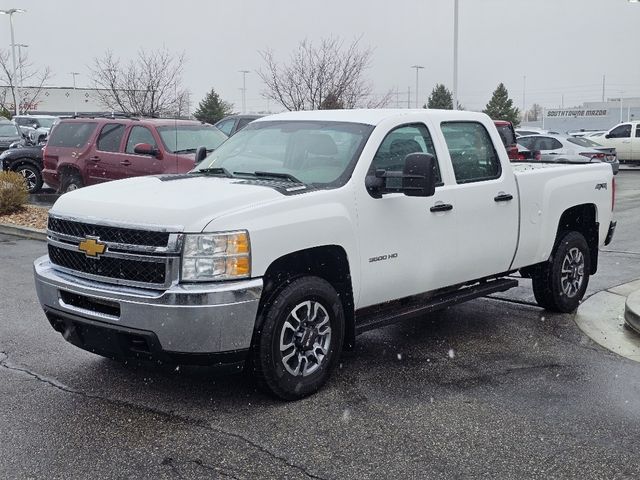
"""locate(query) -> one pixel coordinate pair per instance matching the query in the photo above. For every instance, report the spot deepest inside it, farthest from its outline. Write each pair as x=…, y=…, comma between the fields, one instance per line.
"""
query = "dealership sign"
x=573, y=112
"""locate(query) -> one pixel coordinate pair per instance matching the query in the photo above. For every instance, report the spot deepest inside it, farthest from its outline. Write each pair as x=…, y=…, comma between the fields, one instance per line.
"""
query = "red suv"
x=88, y=150
x=508, y=136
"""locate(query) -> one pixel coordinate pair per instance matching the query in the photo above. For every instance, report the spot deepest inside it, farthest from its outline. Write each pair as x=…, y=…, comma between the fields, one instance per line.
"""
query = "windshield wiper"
x=186, y=150
x=214, y=171
x=285, y=176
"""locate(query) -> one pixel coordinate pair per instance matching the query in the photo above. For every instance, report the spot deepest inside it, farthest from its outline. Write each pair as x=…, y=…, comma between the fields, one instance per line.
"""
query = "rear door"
x=485, y=204
x=138, y=165
x=105, y=163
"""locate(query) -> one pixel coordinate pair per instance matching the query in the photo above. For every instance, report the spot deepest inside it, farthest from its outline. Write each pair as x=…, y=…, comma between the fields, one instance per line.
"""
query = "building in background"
x=590, y=116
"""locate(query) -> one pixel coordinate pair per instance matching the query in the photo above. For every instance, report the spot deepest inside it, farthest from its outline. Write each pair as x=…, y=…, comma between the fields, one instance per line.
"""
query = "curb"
x=602, y=317
x=24, y=232
x=632, y=311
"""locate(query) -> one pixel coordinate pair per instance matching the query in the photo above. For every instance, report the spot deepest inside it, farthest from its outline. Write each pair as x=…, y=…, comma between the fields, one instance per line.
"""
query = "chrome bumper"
x=185, y=319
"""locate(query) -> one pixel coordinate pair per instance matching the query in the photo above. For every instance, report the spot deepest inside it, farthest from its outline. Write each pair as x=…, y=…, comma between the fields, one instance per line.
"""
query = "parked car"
x=27, y=161
x=10, y=135
x=37, y=127
x=524, y=131
x=309, y=228
x=526, y=155
x=233, y=123
x=564, y=148
x=508, y=137
x=625, y=138
x=88, y=150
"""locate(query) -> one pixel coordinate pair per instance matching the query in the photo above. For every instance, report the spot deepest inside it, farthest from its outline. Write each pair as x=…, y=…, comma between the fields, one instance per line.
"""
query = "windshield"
x=9, y=130
x=583, y=142
x=315, y=152
x=187, y=138
x=46, y=122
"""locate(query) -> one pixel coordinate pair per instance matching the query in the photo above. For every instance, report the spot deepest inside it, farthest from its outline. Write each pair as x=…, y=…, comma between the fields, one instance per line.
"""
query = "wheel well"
x=329, y=262
x=23, y=161
x=582, y=218
x=69, y=170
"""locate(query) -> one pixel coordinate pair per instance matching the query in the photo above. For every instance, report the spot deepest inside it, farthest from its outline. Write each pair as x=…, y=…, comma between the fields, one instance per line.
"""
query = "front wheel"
x=560, y=284
x=300, y=338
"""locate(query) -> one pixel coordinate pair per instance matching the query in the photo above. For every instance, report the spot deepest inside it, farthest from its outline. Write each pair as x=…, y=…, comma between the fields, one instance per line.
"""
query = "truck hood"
x=178, y=202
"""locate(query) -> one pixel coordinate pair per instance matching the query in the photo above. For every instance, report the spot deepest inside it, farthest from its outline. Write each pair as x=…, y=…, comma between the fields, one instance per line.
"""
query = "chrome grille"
x=106, y=233
x=135, y=257
x=116, y=268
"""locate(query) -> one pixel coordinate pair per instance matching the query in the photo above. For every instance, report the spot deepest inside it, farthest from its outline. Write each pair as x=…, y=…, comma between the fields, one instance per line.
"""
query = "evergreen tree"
x=500, y=107
x=440, y=98
x=212, y=108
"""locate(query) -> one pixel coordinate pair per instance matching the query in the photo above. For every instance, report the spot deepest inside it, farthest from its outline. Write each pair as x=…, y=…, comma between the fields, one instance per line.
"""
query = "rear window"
x=507, y=135
x=71, y=134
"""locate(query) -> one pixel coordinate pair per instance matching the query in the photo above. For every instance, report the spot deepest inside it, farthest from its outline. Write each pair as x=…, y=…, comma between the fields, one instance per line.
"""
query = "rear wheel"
x=560, y=284
x=32, y=176
x=300, y=338
x=70, y=181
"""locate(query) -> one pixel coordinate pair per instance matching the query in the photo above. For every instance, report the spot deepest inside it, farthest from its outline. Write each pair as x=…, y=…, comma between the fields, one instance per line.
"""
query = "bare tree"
x=328, y=75
x=31, y=78
x=150, y=85
x=535, y=113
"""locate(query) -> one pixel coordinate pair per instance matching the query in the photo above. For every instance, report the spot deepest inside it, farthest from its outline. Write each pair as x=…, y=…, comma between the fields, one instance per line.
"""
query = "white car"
x=565, y=148
x=525, y=131
x=625, y=138
x=305, y=229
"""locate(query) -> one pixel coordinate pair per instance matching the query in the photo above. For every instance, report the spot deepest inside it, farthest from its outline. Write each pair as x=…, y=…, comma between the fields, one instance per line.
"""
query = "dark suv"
x=88, y=150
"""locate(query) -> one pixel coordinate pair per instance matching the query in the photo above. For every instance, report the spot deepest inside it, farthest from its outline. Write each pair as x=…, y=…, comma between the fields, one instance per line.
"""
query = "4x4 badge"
x=92, y=247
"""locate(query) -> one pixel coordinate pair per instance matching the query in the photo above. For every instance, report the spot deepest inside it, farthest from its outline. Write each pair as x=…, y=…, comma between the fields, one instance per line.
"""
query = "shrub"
x=13, y=192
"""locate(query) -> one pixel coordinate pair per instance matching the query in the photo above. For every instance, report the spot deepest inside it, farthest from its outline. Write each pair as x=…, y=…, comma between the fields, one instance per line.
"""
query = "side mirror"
x=201, y=154
x=418, y=175
x=608, y=135
x=146, y=149
x=417, y=179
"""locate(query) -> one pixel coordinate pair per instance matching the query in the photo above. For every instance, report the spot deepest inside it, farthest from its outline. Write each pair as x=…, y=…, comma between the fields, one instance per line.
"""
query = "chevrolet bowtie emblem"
x=92, y=247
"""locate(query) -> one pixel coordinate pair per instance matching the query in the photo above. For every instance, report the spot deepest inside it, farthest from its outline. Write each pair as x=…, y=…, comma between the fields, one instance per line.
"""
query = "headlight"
x=216, y=256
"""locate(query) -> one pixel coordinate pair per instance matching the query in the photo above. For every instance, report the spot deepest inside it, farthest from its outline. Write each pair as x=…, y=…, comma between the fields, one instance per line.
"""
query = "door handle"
x=94, y=159
x=441, y=207
x=503, y=197
x=126, y=163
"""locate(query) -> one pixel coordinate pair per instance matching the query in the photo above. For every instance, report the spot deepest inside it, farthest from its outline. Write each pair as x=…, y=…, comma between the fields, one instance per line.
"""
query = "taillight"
x=593, y=155
x=613, y=192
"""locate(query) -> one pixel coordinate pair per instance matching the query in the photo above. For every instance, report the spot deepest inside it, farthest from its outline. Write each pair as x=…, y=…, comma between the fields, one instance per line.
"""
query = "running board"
x=398, y=310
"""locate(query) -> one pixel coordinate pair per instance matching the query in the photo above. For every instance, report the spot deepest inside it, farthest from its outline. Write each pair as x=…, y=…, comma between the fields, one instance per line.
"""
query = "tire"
x=290, y=359
x=70, y=181
x=32, y=176
x=559, y=284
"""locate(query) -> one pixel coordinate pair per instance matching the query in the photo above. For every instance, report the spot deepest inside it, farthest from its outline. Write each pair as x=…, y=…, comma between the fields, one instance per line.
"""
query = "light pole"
x=75, y=96
x=19, y=89
x=10, y=12
x=418, y=68
x=244, y=89
x=455, y=54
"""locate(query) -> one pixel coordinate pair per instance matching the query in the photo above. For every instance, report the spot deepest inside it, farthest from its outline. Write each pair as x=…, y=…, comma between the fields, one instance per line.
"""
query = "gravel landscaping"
x=28, y=216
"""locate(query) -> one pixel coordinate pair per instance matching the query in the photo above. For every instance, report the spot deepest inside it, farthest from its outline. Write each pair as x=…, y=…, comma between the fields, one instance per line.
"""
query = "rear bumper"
x=612, y=229
x=189, y=324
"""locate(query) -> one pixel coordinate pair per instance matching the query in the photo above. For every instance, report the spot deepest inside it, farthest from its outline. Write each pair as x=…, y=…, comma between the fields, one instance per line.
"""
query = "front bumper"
x=185, y=323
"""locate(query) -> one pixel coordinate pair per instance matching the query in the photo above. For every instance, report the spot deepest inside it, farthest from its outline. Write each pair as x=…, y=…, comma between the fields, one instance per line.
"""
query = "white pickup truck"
x=308, y=228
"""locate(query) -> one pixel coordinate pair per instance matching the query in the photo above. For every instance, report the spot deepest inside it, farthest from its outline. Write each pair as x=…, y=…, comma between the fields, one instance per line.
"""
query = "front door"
x=138, y=165
x=620, y=139
x=407, y=246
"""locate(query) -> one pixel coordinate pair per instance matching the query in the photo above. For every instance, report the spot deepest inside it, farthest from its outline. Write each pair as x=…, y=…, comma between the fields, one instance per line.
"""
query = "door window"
x=110, y=137
x=397, y=145
x=140, y=135
x=473, y=155
x=547, y=143
x=621, y=131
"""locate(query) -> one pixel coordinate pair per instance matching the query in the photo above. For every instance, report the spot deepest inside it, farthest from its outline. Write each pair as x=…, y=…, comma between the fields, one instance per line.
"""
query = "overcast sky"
x=563, y=47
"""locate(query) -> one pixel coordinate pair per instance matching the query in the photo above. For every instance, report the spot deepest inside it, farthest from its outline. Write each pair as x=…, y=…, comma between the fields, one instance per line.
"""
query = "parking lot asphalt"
x=495, y=388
